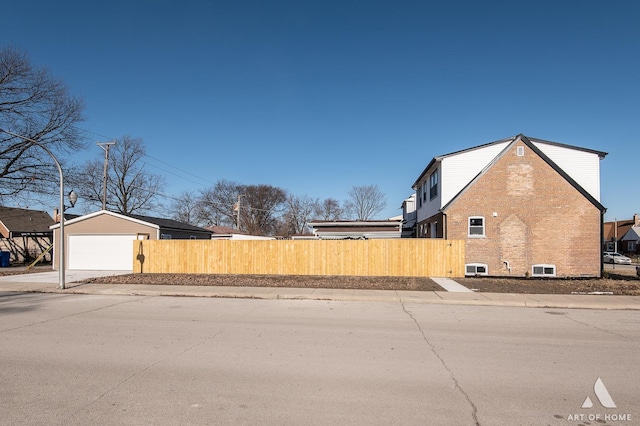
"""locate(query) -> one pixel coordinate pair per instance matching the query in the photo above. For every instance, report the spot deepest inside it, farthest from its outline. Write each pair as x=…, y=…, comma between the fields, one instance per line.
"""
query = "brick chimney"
x=56, y=216
x=636, y=219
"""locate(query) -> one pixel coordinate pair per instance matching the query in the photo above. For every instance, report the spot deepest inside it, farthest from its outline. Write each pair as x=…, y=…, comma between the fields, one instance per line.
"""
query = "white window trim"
x=484, y=227
x=433, y=184
x=520, y=151
x=543, y=266
x=475, y=265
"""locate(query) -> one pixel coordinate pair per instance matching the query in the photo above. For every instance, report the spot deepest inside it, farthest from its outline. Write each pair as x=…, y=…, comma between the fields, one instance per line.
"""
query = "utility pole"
x=236, y=207
x=105, y=146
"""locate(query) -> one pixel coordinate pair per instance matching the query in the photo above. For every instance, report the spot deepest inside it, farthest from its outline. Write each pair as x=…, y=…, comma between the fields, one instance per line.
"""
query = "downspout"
x=444, y=225
x=602, y=242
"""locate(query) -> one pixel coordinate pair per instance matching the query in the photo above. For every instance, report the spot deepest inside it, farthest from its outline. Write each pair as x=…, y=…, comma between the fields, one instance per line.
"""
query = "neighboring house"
x=356, y=229
x=304, y=237
x=228, y=233
x=630, y=241
x=25, y=233
x=104, y=240
x=614, y=231
x=523, y=206
x=409, y=216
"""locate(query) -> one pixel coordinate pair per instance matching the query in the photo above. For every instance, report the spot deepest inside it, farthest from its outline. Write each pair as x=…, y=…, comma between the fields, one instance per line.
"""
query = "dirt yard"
x=617, y=282
x=614, y=284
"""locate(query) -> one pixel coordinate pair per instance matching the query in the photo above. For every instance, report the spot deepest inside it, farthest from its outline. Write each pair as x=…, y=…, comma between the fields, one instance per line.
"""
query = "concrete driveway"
x=54, y=276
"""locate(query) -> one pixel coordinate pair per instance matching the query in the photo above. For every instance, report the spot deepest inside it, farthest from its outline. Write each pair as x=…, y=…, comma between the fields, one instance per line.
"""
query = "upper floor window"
x=433, y=185
x=476, y=226
x=424, y=191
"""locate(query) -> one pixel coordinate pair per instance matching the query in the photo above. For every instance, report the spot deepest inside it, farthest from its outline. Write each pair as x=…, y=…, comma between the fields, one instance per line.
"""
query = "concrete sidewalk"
x=561, y=301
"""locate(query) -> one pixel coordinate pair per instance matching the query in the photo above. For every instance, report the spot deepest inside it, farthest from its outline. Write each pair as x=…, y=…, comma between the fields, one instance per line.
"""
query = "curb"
x=556, y=301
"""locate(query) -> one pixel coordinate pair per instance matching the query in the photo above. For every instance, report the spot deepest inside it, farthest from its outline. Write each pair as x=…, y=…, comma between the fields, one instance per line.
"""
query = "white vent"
x=520, y=151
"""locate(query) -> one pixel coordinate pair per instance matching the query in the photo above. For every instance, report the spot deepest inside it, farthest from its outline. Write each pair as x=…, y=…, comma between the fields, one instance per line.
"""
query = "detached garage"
x=104, y=240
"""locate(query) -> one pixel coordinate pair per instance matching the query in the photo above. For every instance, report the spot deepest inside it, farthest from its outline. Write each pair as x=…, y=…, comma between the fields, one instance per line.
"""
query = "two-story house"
x=523, y=206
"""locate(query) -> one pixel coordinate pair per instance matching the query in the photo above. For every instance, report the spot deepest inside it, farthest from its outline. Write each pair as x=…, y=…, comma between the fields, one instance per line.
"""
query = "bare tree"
x=365, y=202
x=329, y=209
x=131, y=188
x=260, y=209
x=257, y=206
x=186, y=208
x=217, y=203
x=38, y=106
x=299, y=211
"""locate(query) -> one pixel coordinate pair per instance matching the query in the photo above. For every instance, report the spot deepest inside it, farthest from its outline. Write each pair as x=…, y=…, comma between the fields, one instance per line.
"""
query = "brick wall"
x=532, y=216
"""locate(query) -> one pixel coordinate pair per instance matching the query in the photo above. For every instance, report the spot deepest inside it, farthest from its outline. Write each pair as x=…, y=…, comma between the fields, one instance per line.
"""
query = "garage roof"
x=154, y=222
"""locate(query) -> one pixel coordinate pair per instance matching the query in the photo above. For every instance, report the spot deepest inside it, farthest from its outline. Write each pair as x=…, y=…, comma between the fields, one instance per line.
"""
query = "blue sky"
x=318, y=96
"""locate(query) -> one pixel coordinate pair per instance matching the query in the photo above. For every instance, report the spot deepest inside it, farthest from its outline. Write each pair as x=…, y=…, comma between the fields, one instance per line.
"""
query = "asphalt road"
x=114, y=360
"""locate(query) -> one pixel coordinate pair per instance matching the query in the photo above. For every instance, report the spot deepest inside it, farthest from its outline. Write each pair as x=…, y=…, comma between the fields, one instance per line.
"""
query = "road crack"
x=598, y=328
x=474, y=409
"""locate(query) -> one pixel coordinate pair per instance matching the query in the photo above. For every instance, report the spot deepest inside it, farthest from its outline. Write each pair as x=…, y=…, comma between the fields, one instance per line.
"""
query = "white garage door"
x=101, y=252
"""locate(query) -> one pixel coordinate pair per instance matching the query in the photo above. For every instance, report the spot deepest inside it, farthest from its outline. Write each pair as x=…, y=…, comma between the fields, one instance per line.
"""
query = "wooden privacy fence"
x=394, y=257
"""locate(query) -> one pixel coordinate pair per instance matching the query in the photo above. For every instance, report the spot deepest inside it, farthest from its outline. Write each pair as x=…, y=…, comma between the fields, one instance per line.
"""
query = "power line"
x=161, y=161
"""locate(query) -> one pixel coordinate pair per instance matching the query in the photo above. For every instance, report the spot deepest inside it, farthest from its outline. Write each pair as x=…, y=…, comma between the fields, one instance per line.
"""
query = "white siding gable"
x=455, y=172
x=583, y=167
x=459, y=169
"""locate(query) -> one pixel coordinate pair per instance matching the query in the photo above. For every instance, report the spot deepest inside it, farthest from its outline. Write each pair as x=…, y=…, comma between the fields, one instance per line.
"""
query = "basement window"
x=543, y=271
x=476, y=269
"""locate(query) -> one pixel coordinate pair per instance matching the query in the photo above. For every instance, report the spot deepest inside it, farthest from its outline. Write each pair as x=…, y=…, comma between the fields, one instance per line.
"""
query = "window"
x=476, y=269
x=476, y=226
x=544, y=271
x=165, y=236
x=631, y=246
x=520, y=151
x=433, y=185
x=424, y=191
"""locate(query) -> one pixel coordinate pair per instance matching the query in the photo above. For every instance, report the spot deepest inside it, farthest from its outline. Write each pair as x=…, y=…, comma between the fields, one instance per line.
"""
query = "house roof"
x=226, y=230
x=529, y=143
x=354, y=223
x=167, y=223
x=609, y=228
x=511, y=139
x=633, y=234
x=356, y=229
x=15, y=222
x=154, y=222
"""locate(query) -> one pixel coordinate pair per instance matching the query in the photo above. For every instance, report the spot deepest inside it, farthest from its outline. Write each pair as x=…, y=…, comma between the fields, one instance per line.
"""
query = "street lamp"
x=61, y=262
x=73, y=198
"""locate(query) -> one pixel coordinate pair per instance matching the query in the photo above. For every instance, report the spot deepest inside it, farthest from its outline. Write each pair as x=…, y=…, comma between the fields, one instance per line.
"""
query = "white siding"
x=458, y=170
x=583, y=167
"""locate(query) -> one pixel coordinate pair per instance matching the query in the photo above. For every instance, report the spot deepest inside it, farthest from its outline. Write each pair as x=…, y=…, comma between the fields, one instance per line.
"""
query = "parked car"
x=611, y=257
